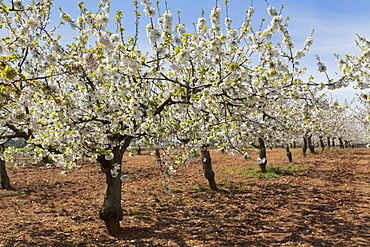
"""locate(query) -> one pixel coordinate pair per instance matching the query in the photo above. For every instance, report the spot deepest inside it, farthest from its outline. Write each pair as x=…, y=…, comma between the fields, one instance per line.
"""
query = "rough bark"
x=4, y=179
x=333, y=142
x=288, y=153
x=111, y=211
x=207, y=168
x=328, y=138
x=304, y=147
x=263, y=157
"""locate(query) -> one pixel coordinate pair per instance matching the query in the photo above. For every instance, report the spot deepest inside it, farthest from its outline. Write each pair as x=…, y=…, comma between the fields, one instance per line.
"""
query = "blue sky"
x=336, y=23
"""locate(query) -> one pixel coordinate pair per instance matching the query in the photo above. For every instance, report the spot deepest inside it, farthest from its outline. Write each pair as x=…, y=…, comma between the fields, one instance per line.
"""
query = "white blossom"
x=272, y=11
x=321, y=67
x=115, y=170
x=150, y=11
x=102, y=19
x=261, y=161
x=308, y=41
x=250, y=12
x=110, y=156
x=228, y=22
x=125, y=178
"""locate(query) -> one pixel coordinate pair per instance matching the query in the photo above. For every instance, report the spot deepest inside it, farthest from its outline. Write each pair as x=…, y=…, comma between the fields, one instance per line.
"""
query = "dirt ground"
x=320, y=200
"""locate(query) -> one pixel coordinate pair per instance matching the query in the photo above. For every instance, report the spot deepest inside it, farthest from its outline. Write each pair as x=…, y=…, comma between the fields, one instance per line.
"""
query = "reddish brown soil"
x=325, y=205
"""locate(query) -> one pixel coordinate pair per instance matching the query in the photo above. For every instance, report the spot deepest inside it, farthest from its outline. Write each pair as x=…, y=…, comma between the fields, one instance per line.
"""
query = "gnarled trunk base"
x=111, y=212
x=111, y=220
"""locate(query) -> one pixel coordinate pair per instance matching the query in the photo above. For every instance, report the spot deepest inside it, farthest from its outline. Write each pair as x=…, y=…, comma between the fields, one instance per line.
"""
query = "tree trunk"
x=304, y=147
x=111, y=211
x=346, y=144
x=4, y=179
x=328, y=138
x=207, y=168
x=263, y=157
x=288, y=153
x=158, y=156
x=341, y=144
x=333, y=142
x=322, y=144
x=310, y=145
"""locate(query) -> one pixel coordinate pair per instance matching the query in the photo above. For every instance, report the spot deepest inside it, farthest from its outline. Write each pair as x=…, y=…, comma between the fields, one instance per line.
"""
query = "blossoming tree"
x=22, y=26
x=108, y=93
x=355, y=68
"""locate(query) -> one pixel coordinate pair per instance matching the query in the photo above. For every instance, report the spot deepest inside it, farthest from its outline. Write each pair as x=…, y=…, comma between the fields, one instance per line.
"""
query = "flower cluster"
x=215, y=20
x=166, y=21
x=261, y=161
x=153, y=33
x=115, y=170
x=148, y=10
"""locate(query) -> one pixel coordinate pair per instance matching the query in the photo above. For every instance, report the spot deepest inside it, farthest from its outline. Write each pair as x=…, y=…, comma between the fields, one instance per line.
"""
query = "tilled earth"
x=326, y=202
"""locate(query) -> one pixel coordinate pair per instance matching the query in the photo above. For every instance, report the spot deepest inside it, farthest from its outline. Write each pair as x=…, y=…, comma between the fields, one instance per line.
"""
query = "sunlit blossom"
x=261, y=161
x=272, y=11
x=115, y=170
x=308, y=41
x=150, y=11
x=102, y=19
x=65, y=17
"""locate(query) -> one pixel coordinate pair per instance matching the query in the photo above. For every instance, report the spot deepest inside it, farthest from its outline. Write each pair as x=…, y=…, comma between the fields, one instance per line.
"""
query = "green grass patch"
x=200, y=188
x=267, y=175
x=229, y=171
x=189, y=215
x=137, y=211
x=272, y=172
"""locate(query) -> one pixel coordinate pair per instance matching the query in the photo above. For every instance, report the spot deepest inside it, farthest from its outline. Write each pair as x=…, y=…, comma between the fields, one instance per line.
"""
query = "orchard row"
x=204, y=86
